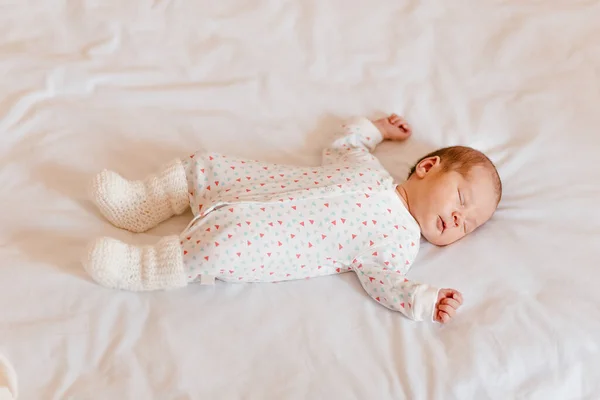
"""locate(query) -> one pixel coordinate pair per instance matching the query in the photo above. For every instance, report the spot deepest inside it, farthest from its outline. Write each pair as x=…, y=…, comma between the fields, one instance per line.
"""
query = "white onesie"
x=257, y=222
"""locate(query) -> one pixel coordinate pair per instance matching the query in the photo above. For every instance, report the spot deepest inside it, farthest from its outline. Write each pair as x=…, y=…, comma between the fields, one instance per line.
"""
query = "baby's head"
x=451, y=192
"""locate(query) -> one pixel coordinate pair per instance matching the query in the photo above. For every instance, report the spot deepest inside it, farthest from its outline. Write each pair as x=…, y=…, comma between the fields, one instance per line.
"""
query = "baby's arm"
x=389, y=287
x=394, y=291
x=360, y=136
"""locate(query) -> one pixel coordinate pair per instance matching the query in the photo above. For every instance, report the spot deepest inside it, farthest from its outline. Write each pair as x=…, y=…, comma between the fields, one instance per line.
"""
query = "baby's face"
x=449, y=206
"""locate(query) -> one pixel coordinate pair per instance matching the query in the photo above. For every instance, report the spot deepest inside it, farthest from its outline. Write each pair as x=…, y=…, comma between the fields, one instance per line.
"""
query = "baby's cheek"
x=433, y=238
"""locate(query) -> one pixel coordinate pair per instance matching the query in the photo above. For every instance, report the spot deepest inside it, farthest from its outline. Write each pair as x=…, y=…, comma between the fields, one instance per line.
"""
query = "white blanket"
x=128, y=85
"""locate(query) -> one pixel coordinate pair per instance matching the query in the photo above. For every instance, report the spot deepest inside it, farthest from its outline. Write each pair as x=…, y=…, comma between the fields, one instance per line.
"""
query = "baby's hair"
x=462, y=159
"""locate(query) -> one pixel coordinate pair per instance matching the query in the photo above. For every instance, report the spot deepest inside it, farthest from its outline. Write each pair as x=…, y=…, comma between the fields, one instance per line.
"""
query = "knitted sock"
x=118, y=265
x=140, y=205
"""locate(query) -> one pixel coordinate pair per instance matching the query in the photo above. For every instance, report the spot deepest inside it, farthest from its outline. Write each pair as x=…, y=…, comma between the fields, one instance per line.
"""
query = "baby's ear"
x=427, y=165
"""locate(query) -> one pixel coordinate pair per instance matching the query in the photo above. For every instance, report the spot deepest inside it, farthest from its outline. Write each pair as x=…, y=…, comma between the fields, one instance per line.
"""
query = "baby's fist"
x=449, y=300
x=393, y=127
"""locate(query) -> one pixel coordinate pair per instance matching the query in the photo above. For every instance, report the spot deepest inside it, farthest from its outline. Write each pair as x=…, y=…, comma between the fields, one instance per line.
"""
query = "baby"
x=258, y=222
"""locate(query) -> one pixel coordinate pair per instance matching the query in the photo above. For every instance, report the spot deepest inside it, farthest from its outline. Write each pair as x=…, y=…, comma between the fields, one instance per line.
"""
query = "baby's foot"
x=140, y=205
x=118, y=265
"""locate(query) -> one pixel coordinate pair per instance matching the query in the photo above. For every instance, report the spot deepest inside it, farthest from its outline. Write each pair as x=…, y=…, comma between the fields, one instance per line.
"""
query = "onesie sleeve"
x=354, y=142
x=381, y=274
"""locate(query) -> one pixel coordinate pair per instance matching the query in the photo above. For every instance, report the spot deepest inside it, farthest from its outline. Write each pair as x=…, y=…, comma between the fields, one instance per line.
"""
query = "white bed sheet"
x=128, y=85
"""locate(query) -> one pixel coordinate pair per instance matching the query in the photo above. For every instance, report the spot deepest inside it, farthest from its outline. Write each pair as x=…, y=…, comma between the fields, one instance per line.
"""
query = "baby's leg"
x=140, y=205
x=118, y=265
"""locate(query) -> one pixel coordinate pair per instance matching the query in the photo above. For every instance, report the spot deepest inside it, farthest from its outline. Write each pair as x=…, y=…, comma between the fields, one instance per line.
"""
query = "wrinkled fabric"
x=130, y=85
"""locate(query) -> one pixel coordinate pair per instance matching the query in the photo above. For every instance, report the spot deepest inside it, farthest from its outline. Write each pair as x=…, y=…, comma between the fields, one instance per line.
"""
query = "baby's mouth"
x=441, y=224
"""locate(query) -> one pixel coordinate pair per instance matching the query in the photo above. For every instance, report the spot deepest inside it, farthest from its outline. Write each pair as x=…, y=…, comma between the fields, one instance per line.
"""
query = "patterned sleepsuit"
x=257, y=222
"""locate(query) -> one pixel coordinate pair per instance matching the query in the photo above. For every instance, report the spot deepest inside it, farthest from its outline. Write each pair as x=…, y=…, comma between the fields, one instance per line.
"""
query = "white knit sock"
x=118, y=265
x=140, y=205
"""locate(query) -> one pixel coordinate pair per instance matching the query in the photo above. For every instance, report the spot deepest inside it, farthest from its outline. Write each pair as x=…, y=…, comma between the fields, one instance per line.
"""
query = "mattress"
x=129, y=85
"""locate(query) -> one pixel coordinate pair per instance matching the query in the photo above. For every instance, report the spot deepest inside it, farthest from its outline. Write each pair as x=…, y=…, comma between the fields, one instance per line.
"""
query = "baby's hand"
x=393, y=128
x=448, y=302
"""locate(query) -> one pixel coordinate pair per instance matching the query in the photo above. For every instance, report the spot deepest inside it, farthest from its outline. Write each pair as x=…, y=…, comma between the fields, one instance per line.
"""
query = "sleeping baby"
x=259, y=222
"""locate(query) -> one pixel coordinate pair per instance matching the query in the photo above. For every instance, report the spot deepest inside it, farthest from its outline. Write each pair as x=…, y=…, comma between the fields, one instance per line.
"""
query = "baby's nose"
x=457, y=217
